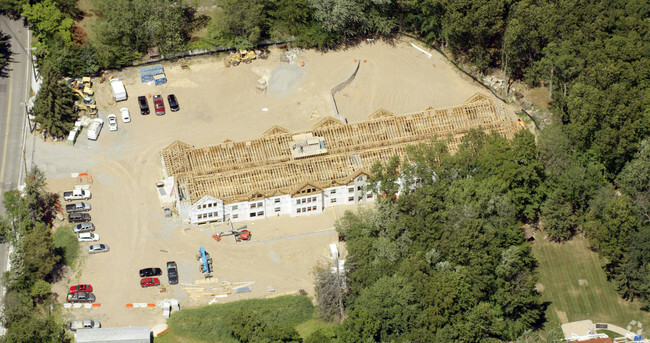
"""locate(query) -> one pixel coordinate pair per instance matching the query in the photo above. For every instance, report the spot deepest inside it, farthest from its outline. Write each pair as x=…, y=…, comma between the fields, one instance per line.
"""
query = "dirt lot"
x=219, y=103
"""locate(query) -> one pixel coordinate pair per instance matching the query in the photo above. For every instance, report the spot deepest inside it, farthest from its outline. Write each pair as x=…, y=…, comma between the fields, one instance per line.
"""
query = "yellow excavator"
x=234, y=59
x=87, y=102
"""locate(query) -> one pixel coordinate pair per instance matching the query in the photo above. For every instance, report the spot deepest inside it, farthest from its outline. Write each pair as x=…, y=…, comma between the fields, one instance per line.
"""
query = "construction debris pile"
x=215, y=289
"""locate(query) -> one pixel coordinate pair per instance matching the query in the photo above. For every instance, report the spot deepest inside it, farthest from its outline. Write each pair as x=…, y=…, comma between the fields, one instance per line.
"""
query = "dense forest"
x=445, y=261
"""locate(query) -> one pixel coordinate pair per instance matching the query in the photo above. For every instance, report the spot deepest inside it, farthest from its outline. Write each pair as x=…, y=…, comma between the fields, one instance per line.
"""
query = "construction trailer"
x=119, y=92
x=129, y=334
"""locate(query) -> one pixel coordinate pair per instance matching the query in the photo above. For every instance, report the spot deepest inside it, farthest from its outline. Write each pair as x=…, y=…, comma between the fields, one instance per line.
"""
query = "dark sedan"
x=150, y=272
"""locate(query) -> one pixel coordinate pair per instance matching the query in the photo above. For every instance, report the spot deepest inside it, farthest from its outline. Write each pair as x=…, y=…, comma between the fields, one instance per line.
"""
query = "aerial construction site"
x=281, y=152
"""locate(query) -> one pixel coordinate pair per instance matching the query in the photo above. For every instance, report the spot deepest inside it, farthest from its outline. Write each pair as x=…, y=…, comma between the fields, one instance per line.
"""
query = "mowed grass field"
x=575, y=284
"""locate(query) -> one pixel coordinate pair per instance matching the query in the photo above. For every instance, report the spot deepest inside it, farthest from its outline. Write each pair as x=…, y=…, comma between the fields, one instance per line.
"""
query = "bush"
x=213, y=320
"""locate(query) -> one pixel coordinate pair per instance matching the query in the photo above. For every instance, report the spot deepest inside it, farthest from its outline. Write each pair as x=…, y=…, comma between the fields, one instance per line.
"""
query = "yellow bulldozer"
x=235, y=58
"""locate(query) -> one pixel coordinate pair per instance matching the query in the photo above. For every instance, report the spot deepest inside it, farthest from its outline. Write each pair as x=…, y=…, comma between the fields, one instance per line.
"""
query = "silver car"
x=85, y=324
x=95, y=248
x=83, y=227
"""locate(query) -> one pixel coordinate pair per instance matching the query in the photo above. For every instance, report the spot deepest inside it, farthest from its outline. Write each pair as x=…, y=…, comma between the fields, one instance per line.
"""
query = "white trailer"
x=119, y=92
x=130, y=334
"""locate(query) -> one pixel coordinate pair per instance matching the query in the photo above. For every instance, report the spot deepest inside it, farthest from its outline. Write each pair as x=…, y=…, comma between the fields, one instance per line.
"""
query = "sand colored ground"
x=219, y=103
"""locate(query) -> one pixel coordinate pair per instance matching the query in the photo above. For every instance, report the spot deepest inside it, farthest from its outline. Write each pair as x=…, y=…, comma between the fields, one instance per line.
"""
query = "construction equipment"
x=240, y=233
x=206, y=262
x=87, y=86
x=87, y=103
x=235, y=58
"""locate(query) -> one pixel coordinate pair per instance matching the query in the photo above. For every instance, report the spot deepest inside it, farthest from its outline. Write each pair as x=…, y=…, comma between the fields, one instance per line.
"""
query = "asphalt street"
x=14, y=90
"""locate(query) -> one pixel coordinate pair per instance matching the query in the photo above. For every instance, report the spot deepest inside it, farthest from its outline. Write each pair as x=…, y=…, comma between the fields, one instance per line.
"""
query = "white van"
x=95, y=128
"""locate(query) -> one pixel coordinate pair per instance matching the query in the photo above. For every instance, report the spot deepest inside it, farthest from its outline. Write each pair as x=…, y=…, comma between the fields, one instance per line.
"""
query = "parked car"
x=78, y=207
x=95, y=248
x=149, y=282
x=88, y=237
x=83, y=227
x=150, y=272
x=172, y=272
x=77, y=194
x=78, y=217
x=144, y=105
x=85, y=324
x=173, y=102
x=80, y=297
x=81, y=288
x=112, y=122
x=95, y=128
x=126, y=116
x=158, y=104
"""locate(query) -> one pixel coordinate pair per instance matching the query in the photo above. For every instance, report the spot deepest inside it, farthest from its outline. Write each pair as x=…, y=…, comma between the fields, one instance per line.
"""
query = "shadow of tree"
x=6, y=56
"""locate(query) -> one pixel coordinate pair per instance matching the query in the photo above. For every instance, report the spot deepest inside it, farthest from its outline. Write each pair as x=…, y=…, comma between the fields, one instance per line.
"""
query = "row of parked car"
x=148, y=279
x=84, y=230
x=158, y=104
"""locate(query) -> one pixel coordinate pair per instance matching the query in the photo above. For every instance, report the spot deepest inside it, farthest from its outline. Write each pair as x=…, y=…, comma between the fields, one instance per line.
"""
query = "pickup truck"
x=77, y=207
x=77, y=194
x=85, y=324
x=80, y=297
x=78, y=217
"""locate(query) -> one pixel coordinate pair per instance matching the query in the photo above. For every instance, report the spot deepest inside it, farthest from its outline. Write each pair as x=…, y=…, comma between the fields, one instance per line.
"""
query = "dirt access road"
x=219, y=103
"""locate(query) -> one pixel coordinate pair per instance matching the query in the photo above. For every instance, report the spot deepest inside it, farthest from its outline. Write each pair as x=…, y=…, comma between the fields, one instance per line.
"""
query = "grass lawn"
x=573, y=280
x=209, y=323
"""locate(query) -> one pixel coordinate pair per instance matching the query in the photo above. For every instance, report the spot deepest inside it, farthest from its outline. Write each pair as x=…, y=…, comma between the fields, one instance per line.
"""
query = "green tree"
x=558, y=217
x=40, y=290
x=359, y=326
x=50, y=25
x=239, y=23
x=391, y=300
x=53, y=107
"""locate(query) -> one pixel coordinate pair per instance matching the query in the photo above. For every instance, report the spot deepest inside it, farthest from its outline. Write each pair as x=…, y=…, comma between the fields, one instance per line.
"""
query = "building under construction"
x=304, y=172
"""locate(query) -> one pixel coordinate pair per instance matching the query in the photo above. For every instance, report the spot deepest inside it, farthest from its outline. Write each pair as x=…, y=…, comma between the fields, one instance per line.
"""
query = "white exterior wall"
x=280, y=205
x=208, y=209
x=306, y=205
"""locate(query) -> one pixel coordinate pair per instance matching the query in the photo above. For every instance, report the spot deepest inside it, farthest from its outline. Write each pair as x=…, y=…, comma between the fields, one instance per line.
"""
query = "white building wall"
x=284, y=204
x=306, y=205
x=208, y=209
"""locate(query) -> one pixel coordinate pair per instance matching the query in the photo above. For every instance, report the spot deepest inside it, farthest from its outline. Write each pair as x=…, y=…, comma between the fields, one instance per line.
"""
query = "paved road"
x=13, y=95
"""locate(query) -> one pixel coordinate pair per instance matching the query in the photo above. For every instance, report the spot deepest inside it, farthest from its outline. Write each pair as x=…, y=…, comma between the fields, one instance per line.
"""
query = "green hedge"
x=209, y=323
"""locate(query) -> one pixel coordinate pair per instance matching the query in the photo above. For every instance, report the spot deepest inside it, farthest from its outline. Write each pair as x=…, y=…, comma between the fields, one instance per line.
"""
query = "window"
x=351, y=199
x=259, y=204
x=210, y=214
x=260, y=213
x=333, y=191
x=314, y=208
x=304, y=200
x=369, y=196
x=253, y=214
x=308, y=209
x=358, y=188
x=203, y=206
x=235, y=216
x=314, y=199
x=298, y=210
x=209, y=205
x=297, y=201
x=351, y=189
x=333, y=200
x=253, y=205
x=234, y=207
x=277, y=200
x=216, y=214
x=277, y=209
x=198, y=217
x=308, y=199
